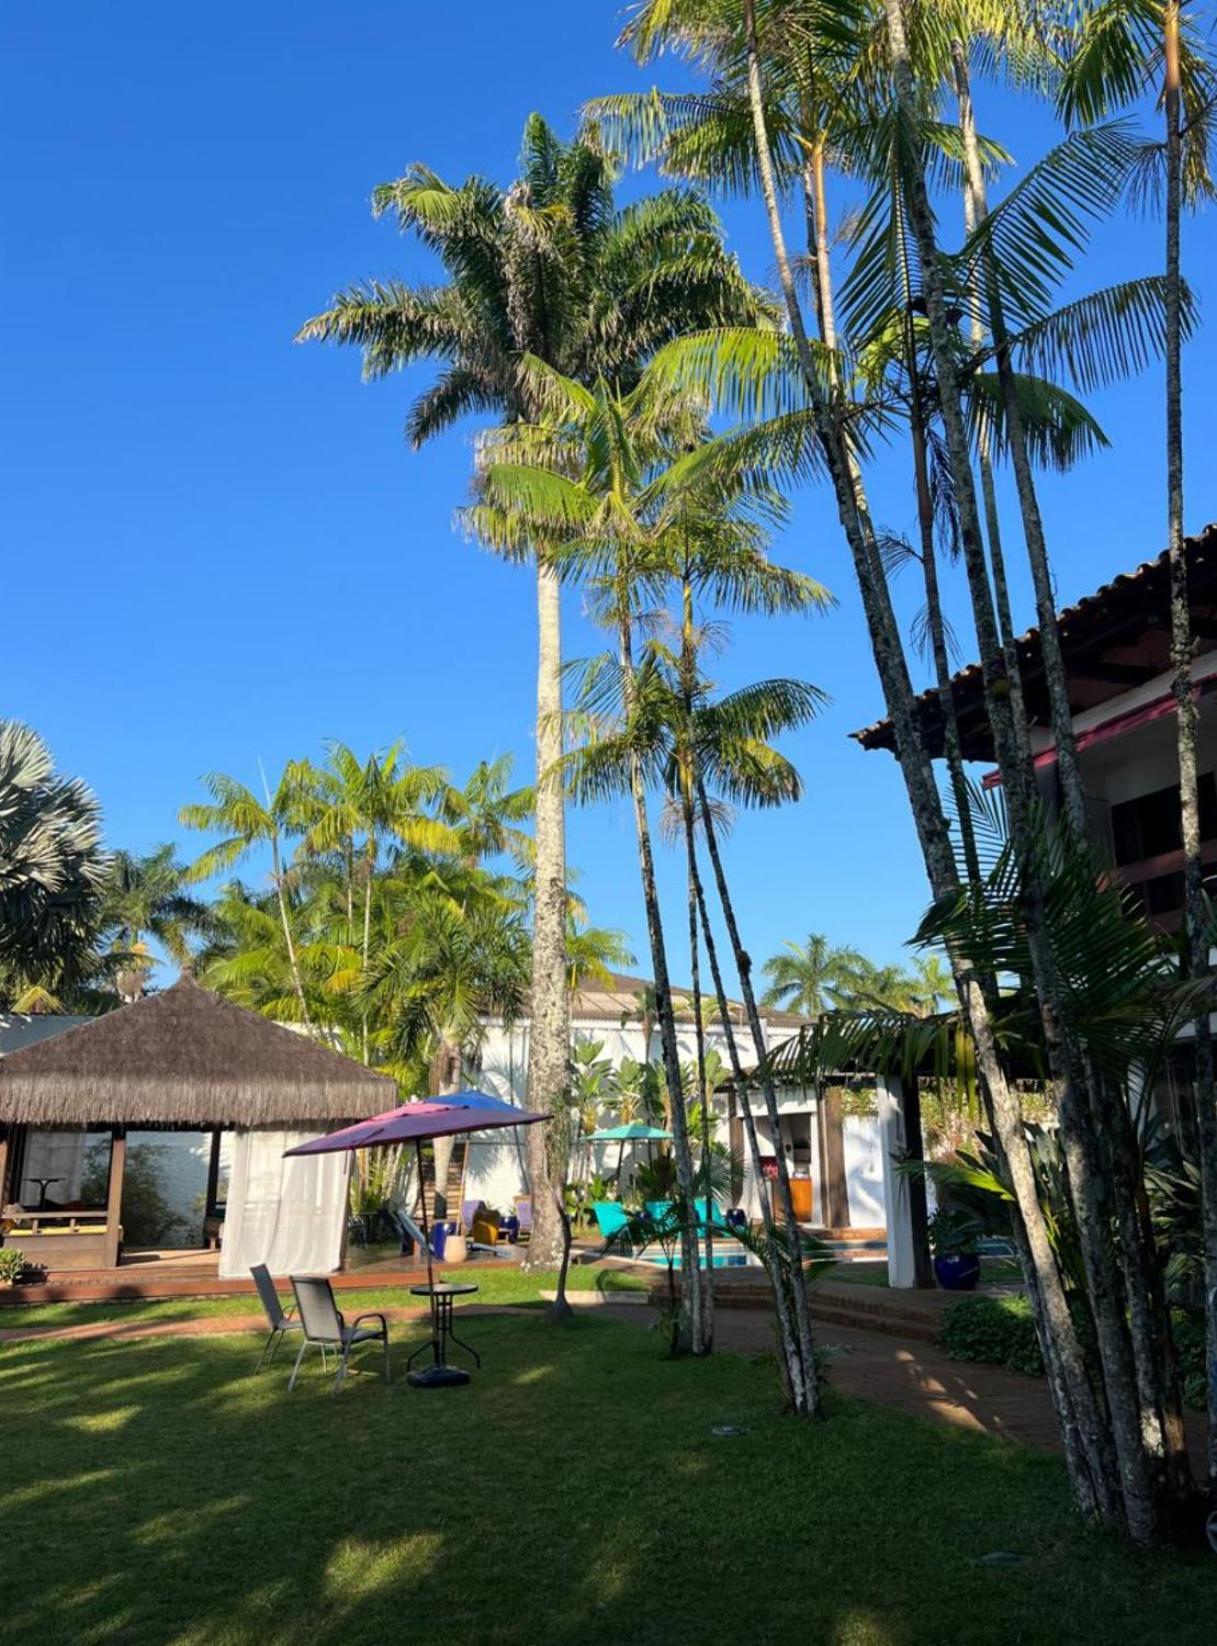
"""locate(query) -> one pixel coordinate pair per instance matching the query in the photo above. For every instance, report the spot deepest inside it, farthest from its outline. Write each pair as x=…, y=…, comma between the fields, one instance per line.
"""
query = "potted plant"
x=12, y=1266
x=953, y=1235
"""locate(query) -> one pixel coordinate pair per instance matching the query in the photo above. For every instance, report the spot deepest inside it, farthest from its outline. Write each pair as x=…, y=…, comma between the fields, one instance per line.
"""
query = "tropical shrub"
x=999, y=1331
x=12, y=1265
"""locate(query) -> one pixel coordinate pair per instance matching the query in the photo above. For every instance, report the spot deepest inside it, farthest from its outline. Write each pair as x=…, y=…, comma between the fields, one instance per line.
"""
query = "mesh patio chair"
x=325, y=1329
x=278, y=1318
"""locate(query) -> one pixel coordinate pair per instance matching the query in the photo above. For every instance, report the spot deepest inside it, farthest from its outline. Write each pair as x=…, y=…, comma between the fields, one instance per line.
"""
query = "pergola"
x=185, y=1059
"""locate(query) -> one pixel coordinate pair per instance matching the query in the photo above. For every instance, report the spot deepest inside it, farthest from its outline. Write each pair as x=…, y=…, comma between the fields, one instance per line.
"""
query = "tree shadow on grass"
x=574, y=1491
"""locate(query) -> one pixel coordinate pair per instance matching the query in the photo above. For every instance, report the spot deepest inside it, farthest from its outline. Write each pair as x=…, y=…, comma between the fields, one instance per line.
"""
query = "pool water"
x=722, y=1260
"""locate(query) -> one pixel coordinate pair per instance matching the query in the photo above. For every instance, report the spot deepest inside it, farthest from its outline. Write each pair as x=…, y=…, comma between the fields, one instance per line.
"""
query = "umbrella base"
x=438, y=1377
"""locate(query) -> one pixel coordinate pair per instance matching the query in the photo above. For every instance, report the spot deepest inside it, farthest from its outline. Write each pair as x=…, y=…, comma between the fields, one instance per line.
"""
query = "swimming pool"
x=722, y=1260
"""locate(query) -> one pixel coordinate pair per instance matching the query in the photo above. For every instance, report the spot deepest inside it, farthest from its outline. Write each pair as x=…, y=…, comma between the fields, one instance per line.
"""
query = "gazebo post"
x=114, y=1198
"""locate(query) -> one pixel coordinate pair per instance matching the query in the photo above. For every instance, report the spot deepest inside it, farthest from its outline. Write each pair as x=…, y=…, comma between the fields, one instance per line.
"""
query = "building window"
x=1150, y=825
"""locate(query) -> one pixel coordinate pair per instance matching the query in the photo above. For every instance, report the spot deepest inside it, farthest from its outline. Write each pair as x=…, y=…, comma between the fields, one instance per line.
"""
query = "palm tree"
x=52, y=871
x=747, y=39
x=247, y=824
x=1118, y=50
x=145, y=898
x=548, y=267
x=812, y=977
x=354, y=808
x=593, y=954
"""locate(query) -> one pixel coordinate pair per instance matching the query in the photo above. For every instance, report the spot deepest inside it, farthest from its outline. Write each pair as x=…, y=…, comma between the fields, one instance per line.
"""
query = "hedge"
x=1000, y=1332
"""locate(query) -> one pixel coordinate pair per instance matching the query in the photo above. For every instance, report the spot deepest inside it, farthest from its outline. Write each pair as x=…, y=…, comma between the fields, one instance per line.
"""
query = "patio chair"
x=325, y=1329
x=524, y=1216
x=277, y=1316
x=484, y=1228
x=611, y=1216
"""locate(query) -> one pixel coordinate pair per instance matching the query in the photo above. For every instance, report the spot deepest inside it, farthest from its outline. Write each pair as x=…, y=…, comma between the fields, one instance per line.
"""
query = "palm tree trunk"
x=974, y=207
x=790, y=1223
x=1195, y=917
x=292, y=961
x=1068, y=771
x=1082, y=1424
x=688, y=1330
x=548, y=1087
x=699, y=1032
x=446, y=1078
x=370, y=875
x=933, y=602
x=1082, y=1119
x=798, y=1368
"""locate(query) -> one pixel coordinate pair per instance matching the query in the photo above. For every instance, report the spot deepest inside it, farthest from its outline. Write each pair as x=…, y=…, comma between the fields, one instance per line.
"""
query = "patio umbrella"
x=629, y=1134
x=418, y=1122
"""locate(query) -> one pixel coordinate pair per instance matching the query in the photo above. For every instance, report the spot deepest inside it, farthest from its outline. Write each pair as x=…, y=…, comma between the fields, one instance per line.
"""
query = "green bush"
x=12, y=1264
x=1187, y=1329
x=1001, y=1332
x=998, y=1330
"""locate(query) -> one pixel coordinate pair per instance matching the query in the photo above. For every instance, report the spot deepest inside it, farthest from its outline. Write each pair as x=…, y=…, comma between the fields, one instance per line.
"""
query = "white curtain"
x=288, y=1214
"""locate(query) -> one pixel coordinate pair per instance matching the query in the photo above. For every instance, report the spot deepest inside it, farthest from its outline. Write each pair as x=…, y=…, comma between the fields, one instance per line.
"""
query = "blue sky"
x=220, y=549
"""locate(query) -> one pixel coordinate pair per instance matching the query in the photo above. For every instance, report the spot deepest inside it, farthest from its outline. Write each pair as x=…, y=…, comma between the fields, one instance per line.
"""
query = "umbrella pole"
x=422, y=1201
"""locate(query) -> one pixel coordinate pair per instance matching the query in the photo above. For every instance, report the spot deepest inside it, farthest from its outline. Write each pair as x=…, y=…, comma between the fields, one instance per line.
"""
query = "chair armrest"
x=372, y=1314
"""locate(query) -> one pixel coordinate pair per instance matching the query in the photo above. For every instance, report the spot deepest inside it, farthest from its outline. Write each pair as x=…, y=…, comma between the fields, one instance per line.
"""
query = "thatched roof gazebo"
x=183, y=1058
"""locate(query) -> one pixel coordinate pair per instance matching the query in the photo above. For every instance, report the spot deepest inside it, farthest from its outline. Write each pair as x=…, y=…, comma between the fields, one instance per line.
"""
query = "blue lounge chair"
x=611, y=1217
x=659, y=1211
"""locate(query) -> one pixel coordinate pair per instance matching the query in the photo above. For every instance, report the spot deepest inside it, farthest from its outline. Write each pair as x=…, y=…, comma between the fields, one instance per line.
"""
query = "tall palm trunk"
x=799, y=1371
x=699, y=1033
x=1142, y=1439
x=445, y=1080
x=933, y=602
x=1068, y=771
x=688, y=1330
x=790, y=1223
x=1082, y=1422
x=293, y=961
x=1083, y=1425
x=686, y=760
x=1186, y=717
x=974, y=207
x=369, y=869
x=549, y=1041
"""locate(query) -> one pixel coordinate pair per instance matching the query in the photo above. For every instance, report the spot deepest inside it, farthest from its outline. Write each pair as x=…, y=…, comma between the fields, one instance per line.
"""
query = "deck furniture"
x=480, y=1223
x=278, y=1318
x=439, y=1375
x=611, y=1217
x=58, y=1240
x=524, y=1217
x=325, y=1329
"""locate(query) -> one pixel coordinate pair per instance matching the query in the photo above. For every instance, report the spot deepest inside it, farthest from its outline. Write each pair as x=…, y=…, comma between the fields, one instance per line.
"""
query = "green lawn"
x=501, y=1283
x=156, y=1493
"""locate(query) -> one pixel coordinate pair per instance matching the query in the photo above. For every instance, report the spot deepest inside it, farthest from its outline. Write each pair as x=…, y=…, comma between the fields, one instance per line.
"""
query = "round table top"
x=444, y=1289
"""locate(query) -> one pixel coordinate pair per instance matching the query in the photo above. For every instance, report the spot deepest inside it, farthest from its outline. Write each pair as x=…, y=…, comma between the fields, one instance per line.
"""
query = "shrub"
x=1001, y=1332
x=12, y=1265
x=1187, y=1329
x=998, y=1330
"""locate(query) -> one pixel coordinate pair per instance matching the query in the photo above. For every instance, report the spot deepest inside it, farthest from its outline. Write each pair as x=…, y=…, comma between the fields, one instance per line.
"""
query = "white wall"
x=864, y=1172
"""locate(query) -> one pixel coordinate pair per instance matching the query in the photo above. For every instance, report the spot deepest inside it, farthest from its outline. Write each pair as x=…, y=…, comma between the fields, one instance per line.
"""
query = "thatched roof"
x=185, y=1058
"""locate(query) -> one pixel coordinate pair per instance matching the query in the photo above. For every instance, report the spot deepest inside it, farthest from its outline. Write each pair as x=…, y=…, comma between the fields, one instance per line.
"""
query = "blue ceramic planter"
x=957, y=1274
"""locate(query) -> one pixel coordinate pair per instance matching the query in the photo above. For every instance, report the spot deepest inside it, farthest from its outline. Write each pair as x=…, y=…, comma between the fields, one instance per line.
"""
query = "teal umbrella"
x=636, y=1131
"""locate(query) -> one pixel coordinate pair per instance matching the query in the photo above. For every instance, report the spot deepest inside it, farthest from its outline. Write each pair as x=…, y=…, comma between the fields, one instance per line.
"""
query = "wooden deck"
x=167, y=1274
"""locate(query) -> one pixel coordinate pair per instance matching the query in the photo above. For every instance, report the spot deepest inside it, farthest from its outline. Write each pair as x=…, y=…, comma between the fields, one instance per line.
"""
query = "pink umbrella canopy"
x=415, y=1122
